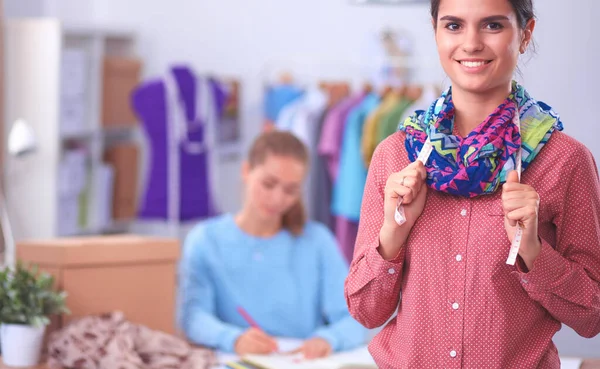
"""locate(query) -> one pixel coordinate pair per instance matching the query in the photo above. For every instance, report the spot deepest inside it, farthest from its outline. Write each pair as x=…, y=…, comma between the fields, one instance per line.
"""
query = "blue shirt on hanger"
x=278, y=96
x=352, y=175
x=292, y=286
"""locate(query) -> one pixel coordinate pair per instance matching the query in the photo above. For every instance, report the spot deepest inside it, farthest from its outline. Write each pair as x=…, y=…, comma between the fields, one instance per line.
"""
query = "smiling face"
x=479, y=42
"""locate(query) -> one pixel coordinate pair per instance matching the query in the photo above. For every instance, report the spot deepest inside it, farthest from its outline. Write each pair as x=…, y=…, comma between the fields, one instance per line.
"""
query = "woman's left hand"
x=521, y=205
x=315, y=348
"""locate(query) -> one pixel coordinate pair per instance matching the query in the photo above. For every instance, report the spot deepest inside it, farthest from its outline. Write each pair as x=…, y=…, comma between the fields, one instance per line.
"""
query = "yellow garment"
x=370, y=128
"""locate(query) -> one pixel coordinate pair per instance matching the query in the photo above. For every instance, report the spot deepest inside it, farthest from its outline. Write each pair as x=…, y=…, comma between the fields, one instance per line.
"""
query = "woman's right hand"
x=408, y=184
x=255, y=341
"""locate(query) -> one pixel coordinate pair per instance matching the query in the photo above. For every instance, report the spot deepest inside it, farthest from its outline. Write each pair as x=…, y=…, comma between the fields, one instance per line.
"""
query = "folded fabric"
x=110, y=341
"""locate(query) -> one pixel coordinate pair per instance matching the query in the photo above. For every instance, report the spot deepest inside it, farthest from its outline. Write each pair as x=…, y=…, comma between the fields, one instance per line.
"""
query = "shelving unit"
x=54, y=81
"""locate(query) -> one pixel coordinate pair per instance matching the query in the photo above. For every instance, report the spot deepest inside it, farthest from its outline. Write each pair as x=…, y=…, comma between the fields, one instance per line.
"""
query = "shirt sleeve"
x=565, y=279
x=197, y=311
x=342, y=332
x=372, y=288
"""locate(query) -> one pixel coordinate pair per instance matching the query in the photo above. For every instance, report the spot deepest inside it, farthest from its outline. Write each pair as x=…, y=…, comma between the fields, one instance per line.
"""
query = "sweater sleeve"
x=197, y=310
x=342, y=332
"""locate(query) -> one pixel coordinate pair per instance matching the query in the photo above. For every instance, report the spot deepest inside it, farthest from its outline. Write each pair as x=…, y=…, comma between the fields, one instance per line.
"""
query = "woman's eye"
x=452, y=26
x=495, y=26
x=292, y=192
x=269, y=185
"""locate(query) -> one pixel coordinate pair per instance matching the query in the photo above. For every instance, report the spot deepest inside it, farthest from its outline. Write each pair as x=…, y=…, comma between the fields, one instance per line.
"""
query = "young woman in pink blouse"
x=444, y=271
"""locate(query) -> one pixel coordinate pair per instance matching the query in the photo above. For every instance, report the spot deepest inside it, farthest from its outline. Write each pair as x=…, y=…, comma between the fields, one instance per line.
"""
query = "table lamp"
x=21, y=142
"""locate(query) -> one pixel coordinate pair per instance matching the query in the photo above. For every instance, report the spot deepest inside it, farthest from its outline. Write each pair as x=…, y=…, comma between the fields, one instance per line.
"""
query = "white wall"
x=68, y=10
x=24, y=8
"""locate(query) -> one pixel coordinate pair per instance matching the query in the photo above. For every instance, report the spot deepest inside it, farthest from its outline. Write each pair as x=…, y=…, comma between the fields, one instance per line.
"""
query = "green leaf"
x=27, y=296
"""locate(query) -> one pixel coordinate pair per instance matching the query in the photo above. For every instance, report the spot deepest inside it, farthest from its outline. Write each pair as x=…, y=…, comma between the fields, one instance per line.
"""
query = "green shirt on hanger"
x=389, y=122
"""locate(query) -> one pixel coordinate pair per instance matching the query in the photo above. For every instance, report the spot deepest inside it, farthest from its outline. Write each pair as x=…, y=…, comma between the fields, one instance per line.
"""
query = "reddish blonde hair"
x=282, y=143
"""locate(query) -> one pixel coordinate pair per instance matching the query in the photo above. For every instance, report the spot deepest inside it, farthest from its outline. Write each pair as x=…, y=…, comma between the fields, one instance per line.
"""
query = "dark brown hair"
x=282, y=143
x=523, y=9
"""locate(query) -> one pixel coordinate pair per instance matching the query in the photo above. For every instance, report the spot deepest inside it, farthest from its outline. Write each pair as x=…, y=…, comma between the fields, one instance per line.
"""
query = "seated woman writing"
x=266, y=272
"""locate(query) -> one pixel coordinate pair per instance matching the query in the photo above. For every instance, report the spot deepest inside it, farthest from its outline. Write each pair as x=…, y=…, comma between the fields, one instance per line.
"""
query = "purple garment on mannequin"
x=149, y=101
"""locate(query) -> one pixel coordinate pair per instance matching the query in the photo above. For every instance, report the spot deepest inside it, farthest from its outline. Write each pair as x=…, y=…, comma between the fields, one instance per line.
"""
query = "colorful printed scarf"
x=479, y=163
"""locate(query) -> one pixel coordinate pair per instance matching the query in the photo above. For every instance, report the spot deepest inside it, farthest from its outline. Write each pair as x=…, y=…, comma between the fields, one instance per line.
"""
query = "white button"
x=458, y=257
x=453, y=353
x=391, y=270
x=463, y=212
x=455, y=306
x=524, y=281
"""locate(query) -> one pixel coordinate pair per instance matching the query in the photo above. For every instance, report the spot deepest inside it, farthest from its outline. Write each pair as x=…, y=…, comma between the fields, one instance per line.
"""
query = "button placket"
x=457, y=274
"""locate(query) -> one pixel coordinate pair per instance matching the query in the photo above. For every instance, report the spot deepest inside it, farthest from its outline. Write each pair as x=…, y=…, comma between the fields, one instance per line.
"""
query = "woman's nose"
x=278, y=197
x=473, y=41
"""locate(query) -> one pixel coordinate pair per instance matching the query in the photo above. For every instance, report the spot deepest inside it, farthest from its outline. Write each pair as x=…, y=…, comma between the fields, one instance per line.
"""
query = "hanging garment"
x=332, y=132
x=158, y=104
x=390, y=121
x=301, y=118
x=277, y=97
x=345, y=234
x=329, y=148
x=321, y=181
x=368, y=141
x=350, y=183
x=429, y=94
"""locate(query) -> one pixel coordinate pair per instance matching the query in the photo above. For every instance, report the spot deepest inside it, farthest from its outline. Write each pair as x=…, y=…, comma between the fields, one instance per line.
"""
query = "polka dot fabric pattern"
x=458, y=304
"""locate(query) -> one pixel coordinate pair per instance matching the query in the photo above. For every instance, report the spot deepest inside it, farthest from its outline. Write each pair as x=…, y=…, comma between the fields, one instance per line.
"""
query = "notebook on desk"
x=357, y=359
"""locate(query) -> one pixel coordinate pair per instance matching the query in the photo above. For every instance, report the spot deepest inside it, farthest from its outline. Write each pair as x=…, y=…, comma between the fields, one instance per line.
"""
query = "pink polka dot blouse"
x=458, y=304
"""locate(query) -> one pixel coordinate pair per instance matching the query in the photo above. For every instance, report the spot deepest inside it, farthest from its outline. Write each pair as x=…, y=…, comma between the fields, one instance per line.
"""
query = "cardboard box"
x=132, y=274
x=124, y=159
x=121, y=76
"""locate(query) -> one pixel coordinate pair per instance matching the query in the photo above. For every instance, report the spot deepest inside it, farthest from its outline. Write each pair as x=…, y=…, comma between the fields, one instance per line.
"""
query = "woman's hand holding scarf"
x=521, y=205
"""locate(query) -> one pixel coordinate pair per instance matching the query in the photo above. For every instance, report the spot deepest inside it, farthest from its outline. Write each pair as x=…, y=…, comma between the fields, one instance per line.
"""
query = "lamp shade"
x=21, y=139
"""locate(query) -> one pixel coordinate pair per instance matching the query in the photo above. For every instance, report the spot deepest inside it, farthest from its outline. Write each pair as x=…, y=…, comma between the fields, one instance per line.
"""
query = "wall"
x=68, y=10
x=24, y=8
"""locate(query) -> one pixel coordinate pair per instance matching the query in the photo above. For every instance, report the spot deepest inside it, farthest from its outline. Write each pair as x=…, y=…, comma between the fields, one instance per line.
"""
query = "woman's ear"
x=245, y=172
x=527, y=35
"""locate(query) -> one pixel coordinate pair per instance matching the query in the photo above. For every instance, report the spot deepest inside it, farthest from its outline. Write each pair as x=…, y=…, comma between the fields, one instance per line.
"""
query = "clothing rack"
x=397, y=76
x=310, y=69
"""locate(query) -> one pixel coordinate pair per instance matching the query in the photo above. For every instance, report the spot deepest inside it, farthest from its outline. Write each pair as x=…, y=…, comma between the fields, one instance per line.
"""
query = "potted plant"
x=27, y=300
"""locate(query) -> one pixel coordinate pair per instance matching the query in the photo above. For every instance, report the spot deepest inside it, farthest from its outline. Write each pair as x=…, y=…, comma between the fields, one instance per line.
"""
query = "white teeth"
x=471, y=64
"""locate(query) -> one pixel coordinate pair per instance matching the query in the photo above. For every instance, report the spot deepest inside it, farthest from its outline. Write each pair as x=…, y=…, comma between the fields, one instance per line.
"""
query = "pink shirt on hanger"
x=330, y=143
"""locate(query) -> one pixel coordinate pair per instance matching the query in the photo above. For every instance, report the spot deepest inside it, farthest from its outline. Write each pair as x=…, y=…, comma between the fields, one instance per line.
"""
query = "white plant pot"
x=21, y=344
